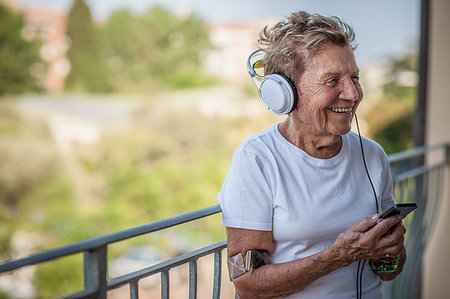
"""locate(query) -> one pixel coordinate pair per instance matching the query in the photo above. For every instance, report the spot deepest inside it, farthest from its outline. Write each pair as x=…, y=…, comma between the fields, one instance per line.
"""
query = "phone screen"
x=401, y=208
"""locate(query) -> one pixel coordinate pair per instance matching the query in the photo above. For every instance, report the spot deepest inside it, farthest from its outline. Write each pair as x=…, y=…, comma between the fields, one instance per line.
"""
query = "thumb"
x=367, y=223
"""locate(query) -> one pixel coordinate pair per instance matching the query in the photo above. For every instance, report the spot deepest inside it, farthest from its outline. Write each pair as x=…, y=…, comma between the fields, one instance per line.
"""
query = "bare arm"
x=362, y=241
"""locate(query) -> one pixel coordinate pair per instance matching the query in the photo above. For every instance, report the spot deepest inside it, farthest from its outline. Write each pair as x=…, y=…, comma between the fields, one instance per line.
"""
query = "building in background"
x=49, y=27
x=232, y=44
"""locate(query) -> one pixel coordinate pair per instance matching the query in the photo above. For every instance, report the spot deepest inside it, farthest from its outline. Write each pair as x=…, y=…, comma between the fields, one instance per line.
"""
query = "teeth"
x=340, y=110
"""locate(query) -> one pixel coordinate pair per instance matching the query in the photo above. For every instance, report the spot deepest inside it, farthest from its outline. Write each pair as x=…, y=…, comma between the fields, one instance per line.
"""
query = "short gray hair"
x=289, y=43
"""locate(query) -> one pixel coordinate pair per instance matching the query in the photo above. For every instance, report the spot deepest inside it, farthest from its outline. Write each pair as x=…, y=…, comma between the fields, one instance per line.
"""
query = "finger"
x=366, y=224
x=392, y=252
x=397, y=230
x=384, y=226
x=393, y=242
x=393, y=237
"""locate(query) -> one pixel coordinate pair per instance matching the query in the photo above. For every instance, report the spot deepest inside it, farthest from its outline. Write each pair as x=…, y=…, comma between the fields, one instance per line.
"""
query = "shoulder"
x=370, y=146
x=258, y=144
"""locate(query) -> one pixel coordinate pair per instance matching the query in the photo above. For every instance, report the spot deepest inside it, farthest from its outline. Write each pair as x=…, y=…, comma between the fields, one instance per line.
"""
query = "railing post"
x=165, y=285
x=95, y=272
x=217, y=274
x=134, y=290
x=193, y=279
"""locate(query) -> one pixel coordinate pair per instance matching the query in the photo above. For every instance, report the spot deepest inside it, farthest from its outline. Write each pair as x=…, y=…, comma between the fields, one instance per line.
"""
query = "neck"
x=317, y=145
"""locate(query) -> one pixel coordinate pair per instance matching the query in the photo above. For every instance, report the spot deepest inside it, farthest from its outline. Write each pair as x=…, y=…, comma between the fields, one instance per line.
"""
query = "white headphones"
x=276, y=91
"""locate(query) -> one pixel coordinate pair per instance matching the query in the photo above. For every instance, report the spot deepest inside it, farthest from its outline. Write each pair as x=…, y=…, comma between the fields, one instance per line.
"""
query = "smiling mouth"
x=340, y=110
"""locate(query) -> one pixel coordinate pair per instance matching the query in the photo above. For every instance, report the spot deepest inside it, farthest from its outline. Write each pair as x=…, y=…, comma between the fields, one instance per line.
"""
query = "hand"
x=391, y=275
x=371, y=238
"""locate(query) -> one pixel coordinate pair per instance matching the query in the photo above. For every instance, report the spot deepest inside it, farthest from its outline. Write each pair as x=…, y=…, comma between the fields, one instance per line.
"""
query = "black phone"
x=400, y=208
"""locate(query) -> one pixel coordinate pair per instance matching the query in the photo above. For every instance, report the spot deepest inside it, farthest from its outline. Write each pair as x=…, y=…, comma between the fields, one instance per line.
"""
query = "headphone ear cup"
x=278, y=94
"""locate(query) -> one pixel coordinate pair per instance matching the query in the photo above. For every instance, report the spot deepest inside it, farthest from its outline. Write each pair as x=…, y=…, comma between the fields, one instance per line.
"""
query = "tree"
x=87, y=72
x=16, y=54
x=154, y=49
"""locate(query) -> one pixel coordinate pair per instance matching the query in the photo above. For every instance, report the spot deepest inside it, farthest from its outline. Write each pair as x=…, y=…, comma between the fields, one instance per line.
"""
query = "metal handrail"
x=96, y=283
x=103, y=240
x=418, y=151
x=94, y=250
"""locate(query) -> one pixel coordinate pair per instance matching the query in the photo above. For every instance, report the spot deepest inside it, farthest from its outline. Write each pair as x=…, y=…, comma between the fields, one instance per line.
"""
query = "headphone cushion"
x=278, y=94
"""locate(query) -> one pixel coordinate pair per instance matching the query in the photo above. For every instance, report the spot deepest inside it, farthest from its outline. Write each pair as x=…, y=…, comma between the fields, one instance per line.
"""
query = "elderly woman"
x=300, y=202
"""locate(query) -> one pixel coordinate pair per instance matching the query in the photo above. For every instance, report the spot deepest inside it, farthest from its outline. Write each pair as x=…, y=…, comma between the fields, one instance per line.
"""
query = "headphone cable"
x=365, y=165
x=360, y=269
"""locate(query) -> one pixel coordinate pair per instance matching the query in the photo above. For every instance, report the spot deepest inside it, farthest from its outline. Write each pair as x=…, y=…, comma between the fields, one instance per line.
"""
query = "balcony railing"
x=418, y=176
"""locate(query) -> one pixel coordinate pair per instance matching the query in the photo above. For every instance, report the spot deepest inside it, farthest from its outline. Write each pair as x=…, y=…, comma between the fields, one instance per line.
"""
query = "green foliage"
x=59, y=278
x=390, y=119
x=36, y=198
x=405, y=93
x=135, y=53
x=154, y=50
x=16, y=54
x=407, y=62
x=162, y=169
x=396, y=135
x=87, y=73
x=26, y=156
x=4, y=295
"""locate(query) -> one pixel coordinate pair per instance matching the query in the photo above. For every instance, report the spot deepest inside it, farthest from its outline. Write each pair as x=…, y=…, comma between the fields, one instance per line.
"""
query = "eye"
x=355, y=79
x=331, y=82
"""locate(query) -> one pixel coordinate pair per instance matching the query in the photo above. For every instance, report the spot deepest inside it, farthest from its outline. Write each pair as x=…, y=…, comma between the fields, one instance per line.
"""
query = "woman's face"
x=329, y=91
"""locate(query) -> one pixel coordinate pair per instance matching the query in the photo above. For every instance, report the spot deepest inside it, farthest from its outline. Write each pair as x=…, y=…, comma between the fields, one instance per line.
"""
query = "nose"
x=349, y=90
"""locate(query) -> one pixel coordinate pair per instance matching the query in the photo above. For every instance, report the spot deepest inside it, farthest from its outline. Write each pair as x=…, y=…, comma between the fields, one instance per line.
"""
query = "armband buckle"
x=238, y=264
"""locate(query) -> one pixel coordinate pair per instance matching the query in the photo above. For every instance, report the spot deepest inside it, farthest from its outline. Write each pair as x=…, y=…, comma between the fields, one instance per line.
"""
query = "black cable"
x=365, y=165
x=359, y=275
x=357, y=281
x=361, y=278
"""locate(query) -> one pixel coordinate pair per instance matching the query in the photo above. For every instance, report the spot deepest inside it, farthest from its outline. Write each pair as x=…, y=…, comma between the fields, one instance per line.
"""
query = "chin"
x=342, y=131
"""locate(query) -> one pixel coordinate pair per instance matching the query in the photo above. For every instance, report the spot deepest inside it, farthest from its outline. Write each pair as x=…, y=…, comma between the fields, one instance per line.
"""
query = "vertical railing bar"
x=165, y=285
x=193, y=279
x=427, y=219
x=217, y=274
x=134, y=290
x=94, y=264
x=436, y=186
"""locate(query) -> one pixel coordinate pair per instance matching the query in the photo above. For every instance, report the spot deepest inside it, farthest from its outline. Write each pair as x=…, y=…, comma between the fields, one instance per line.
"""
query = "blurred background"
x=118, y=113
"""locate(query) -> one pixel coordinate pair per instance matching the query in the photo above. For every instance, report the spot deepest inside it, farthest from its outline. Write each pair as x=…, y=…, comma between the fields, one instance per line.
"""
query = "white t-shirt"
x=306, y=202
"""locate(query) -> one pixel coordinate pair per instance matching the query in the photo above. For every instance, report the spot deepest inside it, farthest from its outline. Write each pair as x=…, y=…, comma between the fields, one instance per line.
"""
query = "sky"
x=383, y=28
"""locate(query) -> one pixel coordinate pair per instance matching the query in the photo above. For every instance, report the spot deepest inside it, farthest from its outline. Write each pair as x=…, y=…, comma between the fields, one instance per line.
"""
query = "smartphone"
x=400, y=208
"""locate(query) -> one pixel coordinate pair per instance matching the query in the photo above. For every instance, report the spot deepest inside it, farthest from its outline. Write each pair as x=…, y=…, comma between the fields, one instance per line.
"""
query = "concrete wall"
x=436, y=270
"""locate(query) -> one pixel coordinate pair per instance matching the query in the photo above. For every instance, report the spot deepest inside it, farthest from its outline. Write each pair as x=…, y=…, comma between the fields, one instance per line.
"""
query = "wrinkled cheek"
x=320, y=119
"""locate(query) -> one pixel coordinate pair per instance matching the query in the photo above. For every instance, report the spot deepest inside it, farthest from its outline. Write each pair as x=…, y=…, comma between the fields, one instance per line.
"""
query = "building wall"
x=232, y=44
x=436, y=266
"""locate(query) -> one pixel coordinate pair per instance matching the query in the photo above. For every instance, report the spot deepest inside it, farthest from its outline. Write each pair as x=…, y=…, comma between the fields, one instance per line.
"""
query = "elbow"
x=249, y=292
x=249, y=287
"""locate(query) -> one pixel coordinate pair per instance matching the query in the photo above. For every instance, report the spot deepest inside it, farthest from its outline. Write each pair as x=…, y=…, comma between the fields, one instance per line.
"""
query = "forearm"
x=279, y=280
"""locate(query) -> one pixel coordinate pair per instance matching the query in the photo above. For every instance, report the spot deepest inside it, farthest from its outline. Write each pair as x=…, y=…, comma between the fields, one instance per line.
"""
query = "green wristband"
x=385, y=265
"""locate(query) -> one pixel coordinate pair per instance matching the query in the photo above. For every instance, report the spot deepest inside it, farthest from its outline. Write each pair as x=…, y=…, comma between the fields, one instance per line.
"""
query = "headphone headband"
x=276, y=91
x=251, y=67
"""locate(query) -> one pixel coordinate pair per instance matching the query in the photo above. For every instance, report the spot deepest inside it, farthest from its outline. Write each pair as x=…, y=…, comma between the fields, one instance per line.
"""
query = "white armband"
x=238, y=264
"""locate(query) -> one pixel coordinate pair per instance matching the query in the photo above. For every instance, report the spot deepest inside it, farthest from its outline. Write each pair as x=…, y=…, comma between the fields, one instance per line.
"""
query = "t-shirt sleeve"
x=387, y=196
x=246, y=196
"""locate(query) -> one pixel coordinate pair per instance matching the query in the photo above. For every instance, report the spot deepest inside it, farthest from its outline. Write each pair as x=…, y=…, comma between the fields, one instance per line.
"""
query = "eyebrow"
x=327, y=75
